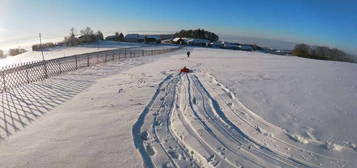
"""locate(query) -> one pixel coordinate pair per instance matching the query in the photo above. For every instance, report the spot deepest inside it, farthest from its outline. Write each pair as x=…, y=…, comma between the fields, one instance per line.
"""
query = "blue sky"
x=319, y=22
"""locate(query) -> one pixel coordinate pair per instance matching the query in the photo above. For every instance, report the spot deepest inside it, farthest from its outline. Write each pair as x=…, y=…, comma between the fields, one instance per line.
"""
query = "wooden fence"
x=20, y=74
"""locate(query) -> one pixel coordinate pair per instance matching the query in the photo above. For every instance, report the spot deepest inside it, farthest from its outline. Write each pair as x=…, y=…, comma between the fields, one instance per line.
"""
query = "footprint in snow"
x=145, y=135
x=194, y=101
x=150, y=150
x=175, y=154
x=138, y=104
x=231, y=95
x=168, y=165
x=120, y=90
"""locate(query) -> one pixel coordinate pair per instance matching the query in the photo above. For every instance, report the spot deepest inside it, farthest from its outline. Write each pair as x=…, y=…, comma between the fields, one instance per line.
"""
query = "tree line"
x=197, y=33
x=87, y=35
x=13, y=52
x=320, y=52
x=38, y=47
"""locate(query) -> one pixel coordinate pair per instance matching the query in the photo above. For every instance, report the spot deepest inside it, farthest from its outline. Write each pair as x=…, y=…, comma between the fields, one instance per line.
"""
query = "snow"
x=237, y=109
x=58, y=52
x=302, y=95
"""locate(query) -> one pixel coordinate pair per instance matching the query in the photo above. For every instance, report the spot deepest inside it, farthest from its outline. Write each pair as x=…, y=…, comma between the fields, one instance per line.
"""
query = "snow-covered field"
x=237, y=109
x=58, y=52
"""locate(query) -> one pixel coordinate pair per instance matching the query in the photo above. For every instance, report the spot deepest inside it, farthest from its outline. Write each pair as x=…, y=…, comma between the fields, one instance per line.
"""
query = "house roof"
x=132, y=36
x=157, y=37
x=198, y=41
x=140, y=36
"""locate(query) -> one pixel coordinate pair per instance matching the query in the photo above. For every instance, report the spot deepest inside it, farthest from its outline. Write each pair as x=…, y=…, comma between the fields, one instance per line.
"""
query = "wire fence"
x=24, y=73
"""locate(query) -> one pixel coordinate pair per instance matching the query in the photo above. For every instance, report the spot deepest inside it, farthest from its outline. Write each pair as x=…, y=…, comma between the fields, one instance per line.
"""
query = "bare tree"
x=71, y=40
x=16, y=51
x=72, y=32
x=301, y=50
x=87, y=31
x=321, y=52
x=87, y=35
x=99, y=35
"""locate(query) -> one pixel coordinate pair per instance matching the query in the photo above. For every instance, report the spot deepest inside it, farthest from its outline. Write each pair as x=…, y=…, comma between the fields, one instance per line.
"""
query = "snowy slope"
x=237, y=109
x=206, y=119
x=307, y=97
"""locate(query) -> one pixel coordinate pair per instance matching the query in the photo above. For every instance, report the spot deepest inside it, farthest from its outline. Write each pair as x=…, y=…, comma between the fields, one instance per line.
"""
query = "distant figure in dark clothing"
x=188, y=54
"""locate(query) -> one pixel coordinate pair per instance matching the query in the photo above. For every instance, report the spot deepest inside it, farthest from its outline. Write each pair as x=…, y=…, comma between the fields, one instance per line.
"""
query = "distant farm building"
x=246, y=47
x=152, y=38
x=148, y=38
x=111, y=38
x=216, y=44
x=191, y=41
x=198, y=42
x=229, y=45
x=134, y=38
x=178, y=40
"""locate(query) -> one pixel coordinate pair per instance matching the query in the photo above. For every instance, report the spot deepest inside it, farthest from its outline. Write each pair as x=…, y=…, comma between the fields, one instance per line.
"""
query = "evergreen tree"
x=198, y=33
x=121, y=37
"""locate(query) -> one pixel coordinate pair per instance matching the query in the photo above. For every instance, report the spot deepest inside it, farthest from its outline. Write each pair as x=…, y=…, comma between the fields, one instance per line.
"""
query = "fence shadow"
x=23, y=103
x=20, y=106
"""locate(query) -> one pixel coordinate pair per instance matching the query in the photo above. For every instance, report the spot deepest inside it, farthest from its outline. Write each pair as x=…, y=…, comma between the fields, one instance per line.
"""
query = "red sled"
x=185, y=70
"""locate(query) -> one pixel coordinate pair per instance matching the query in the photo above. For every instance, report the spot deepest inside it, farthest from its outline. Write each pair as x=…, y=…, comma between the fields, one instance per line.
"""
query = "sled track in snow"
x=194, y=121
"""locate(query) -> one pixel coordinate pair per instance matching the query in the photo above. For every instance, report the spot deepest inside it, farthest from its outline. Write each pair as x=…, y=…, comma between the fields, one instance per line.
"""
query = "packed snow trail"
x=195, y=121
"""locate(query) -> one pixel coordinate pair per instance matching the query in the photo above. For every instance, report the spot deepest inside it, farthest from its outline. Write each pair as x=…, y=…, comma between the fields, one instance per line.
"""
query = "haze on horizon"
x=318, y=22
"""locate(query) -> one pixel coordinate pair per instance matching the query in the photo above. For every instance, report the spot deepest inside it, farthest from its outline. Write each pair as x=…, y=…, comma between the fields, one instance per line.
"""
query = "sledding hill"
x=236, y=109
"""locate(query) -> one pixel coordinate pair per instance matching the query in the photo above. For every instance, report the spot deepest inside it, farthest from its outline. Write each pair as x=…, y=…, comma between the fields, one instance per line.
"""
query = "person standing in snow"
x=188, y=54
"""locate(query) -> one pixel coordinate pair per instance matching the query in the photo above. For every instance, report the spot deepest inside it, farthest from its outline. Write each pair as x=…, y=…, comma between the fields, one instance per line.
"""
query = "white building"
x=132, y=37
x=245, y=47
x=198, y=42
x=216, y=44
x=140, y=38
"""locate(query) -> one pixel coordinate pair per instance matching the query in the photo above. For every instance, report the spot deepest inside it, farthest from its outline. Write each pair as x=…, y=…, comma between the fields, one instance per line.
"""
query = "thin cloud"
x=3, y=29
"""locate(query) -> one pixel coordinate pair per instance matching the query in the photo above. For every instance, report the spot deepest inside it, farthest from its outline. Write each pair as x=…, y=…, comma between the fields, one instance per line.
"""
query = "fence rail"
x=24, y=73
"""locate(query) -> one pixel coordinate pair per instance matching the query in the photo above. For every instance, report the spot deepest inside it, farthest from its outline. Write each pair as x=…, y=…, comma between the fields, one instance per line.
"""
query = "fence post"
x=3, y=79
x=59, y=65
x=87, y=60
x=45, y=68
x=75, y=57
x=27, y=75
